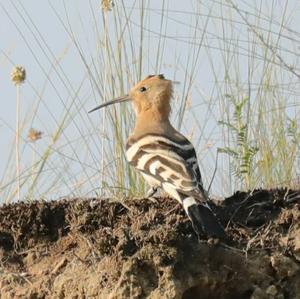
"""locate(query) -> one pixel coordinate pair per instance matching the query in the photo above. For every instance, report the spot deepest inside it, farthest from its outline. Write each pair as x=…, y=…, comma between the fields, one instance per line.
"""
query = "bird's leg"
x=150, y=193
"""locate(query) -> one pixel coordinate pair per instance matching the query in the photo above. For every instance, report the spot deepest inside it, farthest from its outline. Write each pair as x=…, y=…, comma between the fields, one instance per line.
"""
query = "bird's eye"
x=143, y=89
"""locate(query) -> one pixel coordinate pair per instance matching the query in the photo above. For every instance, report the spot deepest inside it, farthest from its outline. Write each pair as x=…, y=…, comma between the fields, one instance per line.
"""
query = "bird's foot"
x=151, y=192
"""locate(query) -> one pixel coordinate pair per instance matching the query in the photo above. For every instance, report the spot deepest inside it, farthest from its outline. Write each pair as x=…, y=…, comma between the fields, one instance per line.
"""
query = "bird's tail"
x=203, y=219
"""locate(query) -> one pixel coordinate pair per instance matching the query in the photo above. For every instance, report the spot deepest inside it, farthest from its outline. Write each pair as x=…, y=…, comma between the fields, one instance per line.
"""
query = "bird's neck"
x=145, y=126
x=147, y=123
x=152, y=114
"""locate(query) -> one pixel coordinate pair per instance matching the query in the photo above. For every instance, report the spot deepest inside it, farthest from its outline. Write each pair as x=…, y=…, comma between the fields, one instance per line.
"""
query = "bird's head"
x=151, y=96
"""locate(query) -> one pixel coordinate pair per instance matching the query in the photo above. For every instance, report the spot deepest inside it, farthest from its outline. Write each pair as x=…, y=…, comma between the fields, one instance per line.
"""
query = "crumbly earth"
x=97, y=248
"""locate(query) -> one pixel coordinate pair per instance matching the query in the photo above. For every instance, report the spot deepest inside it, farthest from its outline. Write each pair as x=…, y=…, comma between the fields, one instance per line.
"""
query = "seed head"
x=107, y=5
x=34, y=135
x=18, y=75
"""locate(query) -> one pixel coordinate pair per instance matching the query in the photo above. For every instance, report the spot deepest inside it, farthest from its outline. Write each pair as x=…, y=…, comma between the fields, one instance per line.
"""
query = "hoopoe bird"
x=166, y=158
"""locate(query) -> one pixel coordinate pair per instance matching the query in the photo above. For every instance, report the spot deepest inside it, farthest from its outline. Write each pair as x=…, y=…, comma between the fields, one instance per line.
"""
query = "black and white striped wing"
x=167, y=162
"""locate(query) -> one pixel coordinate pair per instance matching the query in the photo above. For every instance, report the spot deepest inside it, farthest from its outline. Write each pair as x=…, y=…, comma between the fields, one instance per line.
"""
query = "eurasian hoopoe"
x=165, y=157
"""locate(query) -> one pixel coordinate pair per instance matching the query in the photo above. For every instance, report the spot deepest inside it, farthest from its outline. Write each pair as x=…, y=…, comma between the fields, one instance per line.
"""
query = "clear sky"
x=189, y=37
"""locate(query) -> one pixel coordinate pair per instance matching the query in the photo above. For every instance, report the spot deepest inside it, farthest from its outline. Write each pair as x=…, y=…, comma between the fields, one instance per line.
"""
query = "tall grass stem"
x=18, y=140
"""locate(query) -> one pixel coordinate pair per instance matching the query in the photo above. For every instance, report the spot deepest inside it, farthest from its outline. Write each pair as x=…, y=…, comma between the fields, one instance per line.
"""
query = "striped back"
x=166, y=160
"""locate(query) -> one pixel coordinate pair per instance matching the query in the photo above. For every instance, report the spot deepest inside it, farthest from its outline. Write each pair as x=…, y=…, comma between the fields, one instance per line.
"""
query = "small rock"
x=272, y=290
x=283, y=265
x=213, y=241
x=258, y=293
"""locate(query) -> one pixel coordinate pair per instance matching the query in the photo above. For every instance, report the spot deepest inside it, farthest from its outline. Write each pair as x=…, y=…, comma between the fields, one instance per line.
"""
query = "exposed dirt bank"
x=93, y=248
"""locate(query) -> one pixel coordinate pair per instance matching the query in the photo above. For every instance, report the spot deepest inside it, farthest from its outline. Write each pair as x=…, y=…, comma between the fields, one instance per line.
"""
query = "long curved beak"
x=125, y=98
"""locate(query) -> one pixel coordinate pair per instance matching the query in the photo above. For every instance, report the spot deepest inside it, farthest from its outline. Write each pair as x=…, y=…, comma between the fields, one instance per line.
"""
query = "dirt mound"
x=97, y=248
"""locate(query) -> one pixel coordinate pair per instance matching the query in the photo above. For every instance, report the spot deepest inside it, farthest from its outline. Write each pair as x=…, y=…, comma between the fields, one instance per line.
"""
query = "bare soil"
x=97, y=248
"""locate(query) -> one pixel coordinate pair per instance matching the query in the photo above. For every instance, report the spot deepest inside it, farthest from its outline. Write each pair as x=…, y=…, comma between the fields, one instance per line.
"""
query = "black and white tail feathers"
x=171, y=164
x=204, y=221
